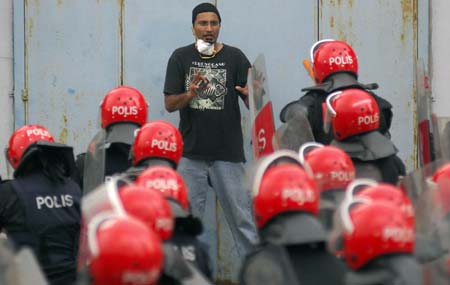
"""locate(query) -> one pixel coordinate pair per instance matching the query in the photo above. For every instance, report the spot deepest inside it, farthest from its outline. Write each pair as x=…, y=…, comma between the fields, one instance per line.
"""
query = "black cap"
x=202, y=8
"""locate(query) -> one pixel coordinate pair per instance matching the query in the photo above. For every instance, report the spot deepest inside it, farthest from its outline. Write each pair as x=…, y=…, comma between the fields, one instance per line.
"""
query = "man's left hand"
x=243, y=91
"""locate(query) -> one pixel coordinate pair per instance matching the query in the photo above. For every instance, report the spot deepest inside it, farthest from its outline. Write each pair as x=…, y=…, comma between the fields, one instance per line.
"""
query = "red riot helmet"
x=124, y=252
x=333, y=168
x=371, y=229
x=442, y=172
x=158, y=140
x=170, y=183
x=440, y=183
x=21, y=140
x=123, y=104
x=353, y=111
x=150, y=207
x=284, y=188
x=331, y=56
x=381, y=192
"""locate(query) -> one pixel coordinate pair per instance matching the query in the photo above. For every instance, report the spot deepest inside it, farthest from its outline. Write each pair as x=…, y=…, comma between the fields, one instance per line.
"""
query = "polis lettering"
x=367, y=120
x=342, y=175
x=339, y=60
x=38, y=132
x=164, y=145
x=124, y=110
x=54, y=202
x=162, y=184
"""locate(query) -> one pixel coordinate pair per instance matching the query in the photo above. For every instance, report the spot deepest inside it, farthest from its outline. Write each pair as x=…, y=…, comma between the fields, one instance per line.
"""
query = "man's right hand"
x=199, y=82
x=175, y=102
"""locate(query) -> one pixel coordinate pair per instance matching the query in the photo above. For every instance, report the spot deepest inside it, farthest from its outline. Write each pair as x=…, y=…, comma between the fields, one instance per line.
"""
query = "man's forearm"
x=175, y=102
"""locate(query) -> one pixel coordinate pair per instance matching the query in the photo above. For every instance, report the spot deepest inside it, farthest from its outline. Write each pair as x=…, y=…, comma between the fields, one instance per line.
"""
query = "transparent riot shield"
x=19, y=268
x=256, y=172
x=431, y=207
x=296, y=131
x=437, y=271
x=99, y=204
x=426, y=149
x=261, y=112
x=94, y=163
x=440, y=127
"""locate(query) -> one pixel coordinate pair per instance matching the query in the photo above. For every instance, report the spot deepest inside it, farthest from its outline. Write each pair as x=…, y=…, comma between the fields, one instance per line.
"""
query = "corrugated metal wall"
x=68, y=53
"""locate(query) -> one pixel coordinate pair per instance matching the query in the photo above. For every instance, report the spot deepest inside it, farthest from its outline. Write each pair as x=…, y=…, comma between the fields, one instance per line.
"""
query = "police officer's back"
x=376, y=238
x=187, y=227
x=333, y=171
x=122, y=111
x=40, y=207
x=293, y=241
x=335, y=67
x=157, y=143
x=355, y=120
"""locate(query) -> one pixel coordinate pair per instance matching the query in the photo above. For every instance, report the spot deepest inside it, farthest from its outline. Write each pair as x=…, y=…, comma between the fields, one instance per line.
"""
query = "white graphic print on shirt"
x=212, y=97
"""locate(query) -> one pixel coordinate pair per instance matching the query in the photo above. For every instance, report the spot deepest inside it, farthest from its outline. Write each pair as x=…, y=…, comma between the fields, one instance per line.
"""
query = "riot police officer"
x=40, y=207
x=123, y=110
x=335, y=67
x=293, y=241
x=187, y=227
x=157, y=143
x=355, y=120
x=123, y=250
x=333, y=170
x=376, y=238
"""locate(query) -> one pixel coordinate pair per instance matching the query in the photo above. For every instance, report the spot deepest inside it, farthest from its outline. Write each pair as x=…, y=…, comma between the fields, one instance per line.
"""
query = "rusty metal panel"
x=70, y=60
x=385, y=41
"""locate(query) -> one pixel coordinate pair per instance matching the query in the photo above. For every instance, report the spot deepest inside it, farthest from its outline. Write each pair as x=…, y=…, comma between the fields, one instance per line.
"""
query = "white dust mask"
x=205, y=47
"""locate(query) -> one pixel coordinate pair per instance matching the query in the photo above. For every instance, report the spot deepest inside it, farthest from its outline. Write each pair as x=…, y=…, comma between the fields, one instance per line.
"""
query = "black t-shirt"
x=211, y=123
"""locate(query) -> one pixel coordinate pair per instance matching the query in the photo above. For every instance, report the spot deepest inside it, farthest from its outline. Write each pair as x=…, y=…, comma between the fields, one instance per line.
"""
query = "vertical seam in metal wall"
x=13, y=91
x=121, y=9
x=430, y=37
x=415, y=58
x=25, y=63
x=317, y=18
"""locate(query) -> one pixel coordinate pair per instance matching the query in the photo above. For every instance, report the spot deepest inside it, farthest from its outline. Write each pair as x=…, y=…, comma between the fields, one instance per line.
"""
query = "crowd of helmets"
x=375, y=233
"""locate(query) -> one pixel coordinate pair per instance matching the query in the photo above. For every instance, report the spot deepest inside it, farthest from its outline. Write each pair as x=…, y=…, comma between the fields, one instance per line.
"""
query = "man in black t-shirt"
x=203, y=81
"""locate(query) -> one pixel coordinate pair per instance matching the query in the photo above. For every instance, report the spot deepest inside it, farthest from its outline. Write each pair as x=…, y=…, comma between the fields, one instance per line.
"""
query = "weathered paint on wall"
x=71, y=58
x=440, y=63
x=6, y=78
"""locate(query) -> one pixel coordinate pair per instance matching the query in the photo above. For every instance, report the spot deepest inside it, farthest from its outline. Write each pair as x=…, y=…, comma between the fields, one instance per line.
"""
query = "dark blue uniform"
x=45, y=216
x=117, y=160
x=192, y=250
x=292, y=251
